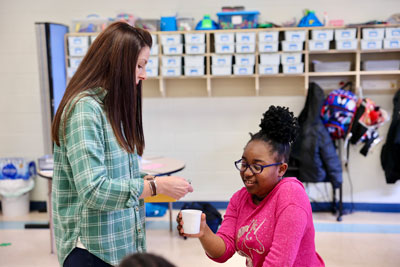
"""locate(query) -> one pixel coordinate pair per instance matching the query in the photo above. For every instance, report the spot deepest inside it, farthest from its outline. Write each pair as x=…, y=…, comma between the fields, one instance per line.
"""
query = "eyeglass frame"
x=262, y=166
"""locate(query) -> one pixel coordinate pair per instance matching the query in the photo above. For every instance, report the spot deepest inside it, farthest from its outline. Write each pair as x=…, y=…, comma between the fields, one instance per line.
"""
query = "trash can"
x=16, y=181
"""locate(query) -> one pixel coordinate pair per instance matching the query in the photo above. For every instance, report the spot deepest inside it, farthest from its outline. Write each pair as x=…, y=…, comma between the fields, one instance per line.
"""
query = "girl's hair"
x=279, y=129
x=144, y=260
x=110, y=63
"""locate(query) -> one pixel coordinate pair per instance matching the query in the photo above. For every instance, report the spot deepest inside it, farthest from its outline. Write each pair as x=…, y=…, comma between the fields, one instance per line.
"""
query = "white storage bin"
x=71, y=71
x=270, y=36
x=268, y=47
x=270, y=59
x=92, y=38
x=171, y=61
x=377, y=84
x=243, y=70
x=371, y=44
x=195, y=48
x=77, y=50
x=221, y=60
x=194, y=61
x=221, y=70
x=346, y=44
x=372, y=65
x=345, y=34
x=152, y=71
x=295, y=36
x=246, y=37
x=291, y=58
x=224, y=48
x=392, y=33
x=391, y=43
x=194, y=70
x=15, y=206
x=171, y=71
x=317, y=45
x=292, y=45
x=74, y=62
x=322, y=35
x=373, y=33
x=154, y=50
x=222, y=38
x=82, y=41
x=268, y=69
x=245, y=59
x=293, y=68
x=331, y=66
x=154, y=38
x=245, y=48
x=195, y=38
x=176, y=49
x=153, y=62
x=171, y=39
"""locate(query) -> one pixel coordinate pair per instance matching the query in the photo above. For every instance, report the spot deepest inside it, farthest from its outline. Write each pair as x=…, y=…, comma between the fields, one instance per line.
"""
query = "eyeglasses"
x=254, y=168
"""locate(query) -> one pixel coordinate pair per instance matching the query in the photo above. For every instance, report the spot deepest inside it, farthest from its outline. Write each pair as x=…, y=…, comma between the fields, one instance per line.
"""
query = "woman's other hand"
x=173, y=186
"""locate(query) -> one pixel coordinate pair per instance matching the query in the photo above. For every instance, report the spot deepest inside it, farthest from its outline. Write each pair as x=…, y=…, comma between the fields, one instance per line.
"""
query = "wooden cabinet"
x=208, y=80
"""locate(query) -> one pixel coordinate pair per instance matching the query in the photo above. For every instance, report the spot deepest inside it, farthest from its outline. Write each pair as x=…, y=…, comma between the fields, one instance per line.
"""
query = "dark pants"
x=83, y=258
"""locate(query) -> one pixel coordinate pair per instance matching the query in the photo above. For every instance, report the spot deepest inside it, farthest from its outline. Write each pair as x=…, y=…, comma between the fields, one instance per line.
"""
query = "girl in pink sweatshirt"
x=269, y=221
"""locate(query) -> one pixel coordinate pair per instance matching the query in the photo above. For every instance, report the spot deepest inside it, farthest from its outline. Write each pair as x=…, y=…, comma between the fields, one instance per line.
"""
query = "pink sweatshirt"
x=278, y=232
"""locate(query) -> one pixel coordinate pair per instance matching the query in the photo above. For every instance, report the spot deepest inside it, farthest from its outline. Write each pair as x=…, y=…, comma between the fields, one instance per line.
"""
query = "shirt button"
x=140, y=230
x=137, y=209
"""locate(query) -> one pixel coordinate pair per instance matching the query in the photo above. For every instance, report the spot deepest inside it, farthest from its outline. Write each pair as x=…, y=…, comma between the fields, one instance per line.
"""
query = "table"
x=157, y=166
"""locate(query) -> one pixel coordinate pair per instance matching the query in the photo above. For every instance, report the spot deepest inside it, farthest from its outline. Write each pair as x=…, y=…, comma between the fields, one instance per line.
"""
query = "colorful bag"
x=338, y=111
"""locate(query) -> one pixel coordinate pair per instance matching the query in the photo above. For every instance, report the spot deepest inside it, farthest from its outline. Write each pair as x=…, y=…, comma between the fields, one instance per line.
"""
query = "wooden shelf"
x=262, y=82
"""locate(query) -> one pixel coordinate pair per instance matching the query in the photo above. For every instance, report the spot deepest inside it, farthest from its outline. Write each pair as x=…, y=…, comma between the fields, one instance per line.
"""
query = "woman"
x=98, y=189
x=269, y=221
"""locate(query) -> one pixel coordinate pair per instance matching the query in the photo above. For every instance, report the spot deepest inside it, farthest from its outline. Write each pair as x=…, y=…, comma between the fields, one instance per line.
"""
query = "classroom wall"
x=207, y=133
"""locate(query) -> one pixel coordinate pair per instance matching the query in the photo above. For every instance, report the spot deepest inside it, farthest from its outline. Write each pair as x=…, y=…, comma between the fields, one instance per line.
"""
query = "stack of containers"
x=172, y=55
x=152, y=64
x=292, y=46
x=320, y=40
x=268, y=48
x=346, y=39
x=77, y=48
x=195, y=48
x=245, y=57
x=372, y=38
x=392, y=38
x=224, y=48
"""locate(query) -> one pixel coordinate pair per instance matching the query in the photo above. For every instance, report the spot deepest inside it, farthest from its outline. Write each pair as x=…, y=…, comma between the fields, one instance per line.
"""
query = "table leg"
x=170, y=215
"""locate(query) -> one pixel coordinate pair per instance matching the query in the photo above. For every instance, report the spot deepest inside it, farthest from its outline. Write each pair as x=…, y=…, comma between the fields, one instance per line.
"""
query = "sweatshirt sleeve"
x=227, y=230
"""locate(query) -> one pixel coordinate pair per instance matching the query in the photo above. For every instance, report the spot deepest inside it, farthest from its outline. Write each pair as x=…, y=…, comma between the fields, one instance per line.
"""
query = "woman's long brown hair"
x=110, y=63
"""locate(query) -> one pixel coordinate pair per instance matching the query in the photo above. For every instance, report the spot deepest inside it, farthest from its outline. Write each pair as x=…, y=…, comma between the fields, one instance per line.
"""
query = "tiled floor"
x=361, y=239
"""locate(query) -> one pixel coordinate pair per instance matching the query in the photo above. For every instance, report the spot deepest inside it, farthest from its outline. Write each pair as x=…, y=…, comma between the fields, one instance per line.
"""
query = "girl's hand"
x=173, y=186
x=203, y=225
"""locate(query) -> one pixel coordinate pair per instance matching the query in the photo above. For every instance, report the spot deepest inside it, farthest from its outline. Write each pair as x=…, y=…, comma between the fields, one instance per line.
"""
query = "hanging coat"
x=313, y=151
x=390, y=155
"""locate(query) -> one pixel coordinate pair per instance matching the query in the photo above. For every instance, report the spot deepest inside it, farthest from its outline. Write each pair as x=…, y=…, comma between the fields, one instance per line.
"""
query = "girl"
x=269, y=221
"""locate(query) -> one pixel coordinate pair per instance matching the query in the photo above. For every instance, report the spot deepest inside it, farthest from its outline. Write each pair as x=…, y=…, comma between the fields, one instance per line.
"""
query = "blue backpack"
x=338, y=111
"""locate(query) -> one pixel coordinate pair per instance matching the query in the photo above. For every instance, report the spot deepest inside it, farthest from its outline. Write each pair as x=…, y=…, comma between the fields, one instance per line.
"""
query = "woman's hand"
x=173, y=186
x=180, y=222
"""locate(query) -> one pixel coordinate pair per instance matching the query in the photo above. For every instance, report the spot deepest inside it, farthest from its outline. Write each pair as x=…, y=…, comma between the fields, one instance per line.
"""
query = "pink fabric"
x=277, y=232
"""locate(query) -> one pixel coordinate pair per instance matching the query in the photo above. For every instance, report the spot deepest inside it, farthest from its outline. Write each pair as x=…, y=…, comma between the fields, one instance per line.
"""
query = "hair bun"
x=279, y=124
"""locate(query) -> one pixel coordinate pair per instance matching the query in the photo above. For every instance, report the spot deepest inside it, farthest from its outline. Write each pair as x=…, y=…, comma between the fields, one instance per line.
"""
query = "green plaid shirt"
x=96, y=187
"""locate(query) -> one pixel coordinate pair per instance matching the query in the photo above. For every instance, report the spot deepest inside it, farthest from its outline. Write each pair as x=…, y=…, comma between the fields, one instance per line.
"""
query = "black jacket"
x=390, y=155
x=313, y=151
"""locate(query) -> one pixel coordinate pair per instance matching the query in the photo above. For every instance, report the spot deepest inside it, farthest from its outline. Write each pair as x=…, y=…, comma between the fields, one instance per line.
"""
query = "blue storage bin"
x=238, y=19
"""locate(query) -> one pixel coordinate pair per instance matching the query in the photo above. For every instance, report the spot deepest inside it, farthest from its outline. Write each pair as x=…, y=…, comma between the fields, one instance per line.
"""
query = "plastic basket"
x=238, y=19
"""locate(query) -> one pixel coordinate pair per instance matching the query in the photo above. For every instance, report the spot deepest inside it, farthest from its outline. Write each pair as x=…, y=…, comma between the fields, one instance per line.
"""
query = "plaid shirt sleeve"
x=86, y=142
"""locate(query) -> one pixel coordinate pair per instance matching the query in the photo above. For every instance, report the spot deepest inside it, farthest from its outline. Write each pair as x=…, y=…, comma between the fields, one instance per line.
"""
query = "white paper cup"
x=191, y=221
